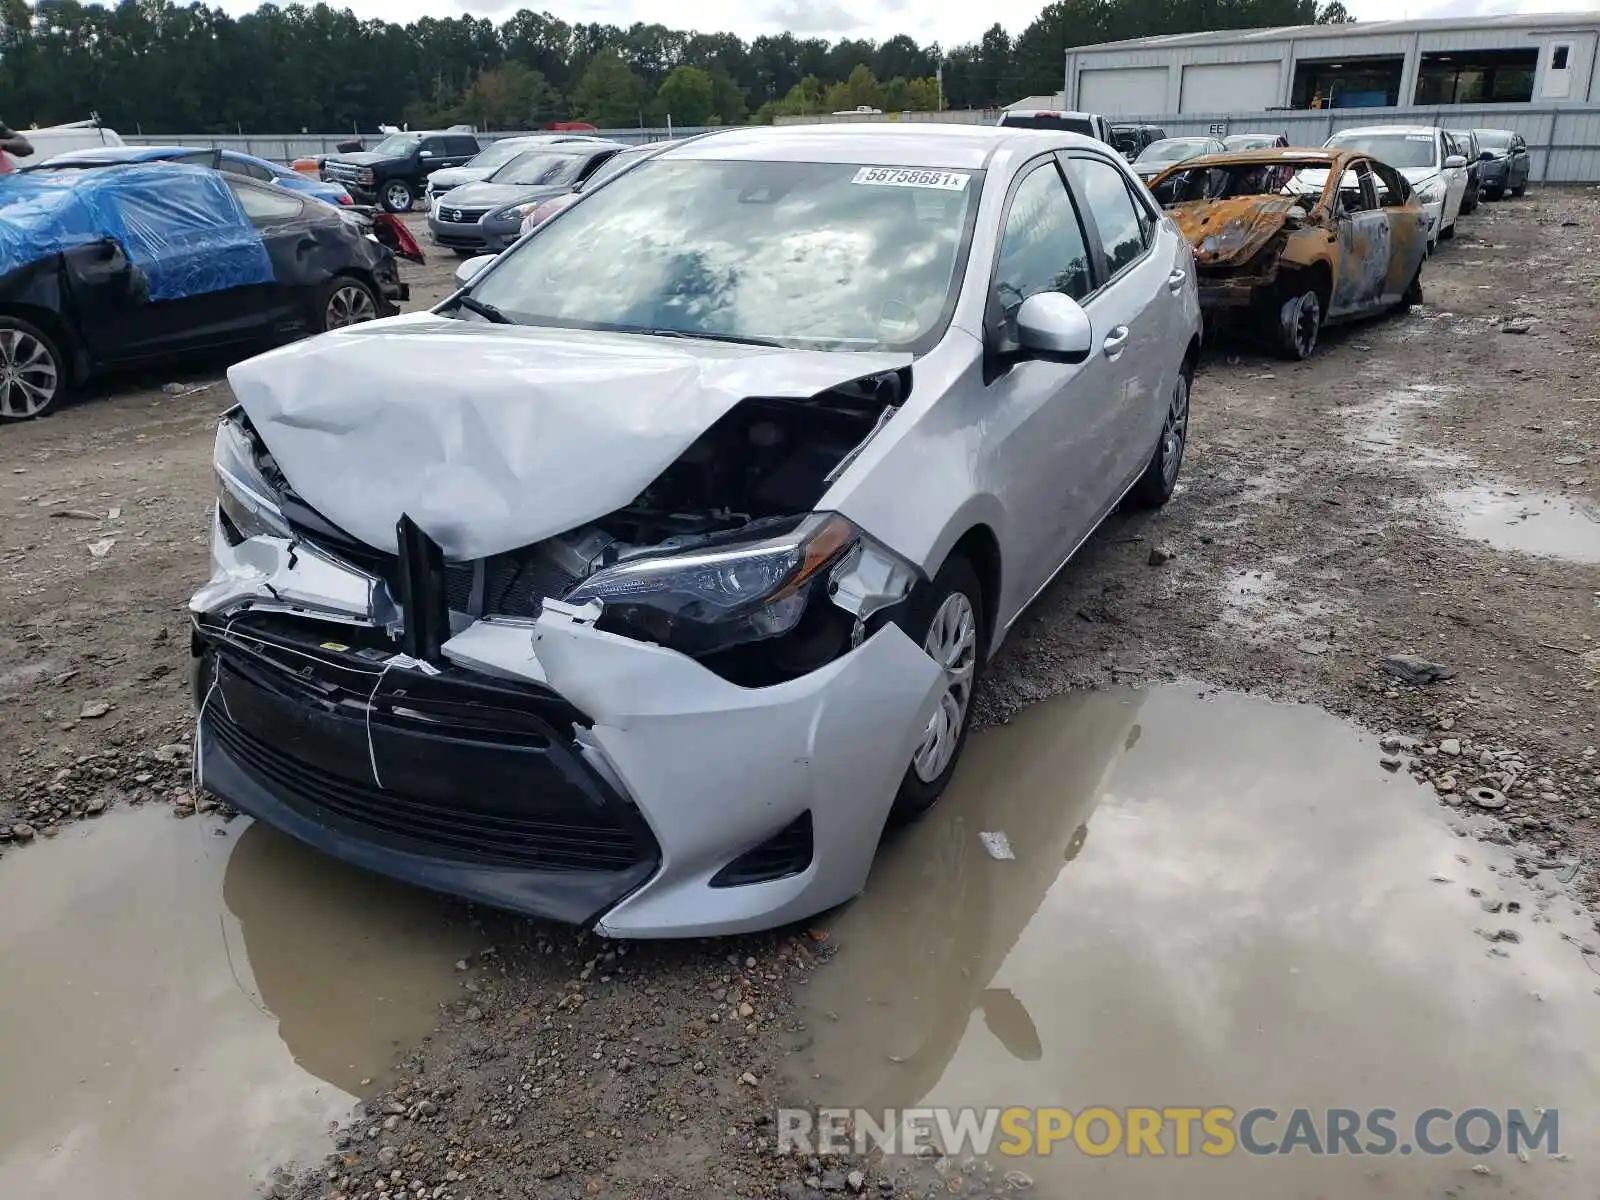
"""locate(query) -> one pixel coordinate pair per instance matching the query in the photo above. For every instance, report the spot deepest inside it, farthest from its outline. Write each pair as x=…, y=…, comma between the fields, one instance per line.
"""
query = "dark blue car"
x=230, y=161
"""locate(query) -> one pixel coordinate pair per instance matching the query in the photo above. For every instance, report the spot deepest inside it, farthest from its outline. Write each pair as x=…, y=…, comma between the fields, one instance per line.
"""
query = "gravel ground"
x=1303, y=550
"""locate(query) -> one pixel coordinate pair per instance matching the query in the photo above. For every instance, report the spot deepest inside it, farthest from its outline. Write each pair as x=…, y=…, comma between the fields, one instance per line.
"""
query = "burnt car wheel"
x=947, y=621
x=1299, y=324
x=33, y=376
x=347, y=301
x=397, y=196
x=1160, y=476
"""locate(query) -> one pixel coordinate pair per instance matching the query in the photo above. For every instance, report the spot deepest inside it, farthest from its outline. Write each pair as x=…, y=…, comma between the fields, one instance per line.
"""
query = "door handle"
x=1175, y=281
x=1115, y=341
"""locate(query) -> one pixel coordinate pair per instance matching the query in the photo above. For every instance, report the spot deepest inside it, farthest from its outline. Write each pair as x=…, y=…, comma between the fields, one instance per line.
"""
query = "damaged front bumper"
x=547, y=767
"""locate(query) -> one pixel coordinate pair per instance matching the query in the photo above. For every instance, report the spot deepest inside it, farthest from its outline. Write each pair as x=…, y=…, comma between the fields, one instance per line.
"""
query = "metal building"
x=1547, y=60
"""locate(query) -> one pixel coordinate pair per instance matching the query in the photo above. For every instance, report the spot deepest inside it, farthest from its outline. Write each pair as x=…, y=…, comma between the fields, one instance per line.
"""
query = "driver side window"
x=1355, y=191
x=1042, y=247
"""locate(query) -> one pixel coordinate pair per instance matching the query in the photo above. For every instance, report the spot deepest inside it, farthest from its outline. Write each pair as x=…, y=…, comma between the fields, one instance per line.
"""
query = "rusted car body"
x=1286, y=241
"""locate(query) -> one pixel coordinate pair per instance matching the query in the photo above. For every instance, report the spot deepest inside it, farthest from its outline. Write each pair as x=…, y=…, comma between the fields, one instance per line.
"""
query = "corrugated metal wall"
x=1564, y=142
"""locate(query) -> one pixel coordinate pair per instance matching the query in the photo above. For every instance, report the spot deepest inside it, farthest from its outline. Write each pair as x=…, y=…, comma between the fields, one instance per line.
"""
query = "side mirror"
x=424, y=153
x=472, y=268
x=1054, y=327
x=1454, y=160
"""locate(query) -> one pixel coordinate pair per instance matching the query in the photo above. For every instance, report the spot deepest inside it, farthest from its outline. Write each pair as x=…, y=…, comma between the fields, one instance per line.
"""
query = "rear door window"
x=266, y=206
x=461, y=146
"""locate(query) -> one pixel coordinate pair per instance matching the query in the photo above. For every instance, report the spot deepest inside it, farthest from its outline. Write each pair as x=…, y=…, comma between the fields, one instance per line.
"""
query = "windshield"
x=809, y=255
x=1048, y=120
x=1173, y=150
x=1497, y=139
x=1245, y=179
x=1251, y=141
x=536, y=168
x=498, y=155
x=398, y=143
x=1396, y=149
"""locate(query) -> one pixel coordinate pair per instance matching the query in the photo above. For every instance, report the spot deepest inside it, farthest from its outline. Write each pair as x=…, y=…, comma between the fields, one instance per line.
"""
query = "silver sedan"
x=646, y=578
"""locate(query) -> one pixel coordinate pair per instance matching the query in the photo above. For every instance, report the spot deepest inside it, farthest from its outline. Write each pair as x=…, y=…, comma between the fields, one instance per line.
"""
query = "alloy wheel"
x=350, y=304
x=28, y=375
x=1175, y=432
x=399, y=197
x=952, y=642
x=1307, y=320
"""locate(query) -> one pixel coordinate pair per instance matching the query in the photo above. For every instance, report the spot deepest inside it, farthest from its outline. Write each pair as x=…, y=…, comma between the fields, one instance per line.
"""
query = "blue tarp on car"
x=181, y=225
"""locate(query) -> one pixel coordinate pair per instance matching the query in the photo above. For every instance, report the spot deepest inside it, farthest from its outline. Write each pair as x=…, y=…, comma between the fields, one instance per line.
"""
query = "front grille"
x=479, y=784
x=462, y=216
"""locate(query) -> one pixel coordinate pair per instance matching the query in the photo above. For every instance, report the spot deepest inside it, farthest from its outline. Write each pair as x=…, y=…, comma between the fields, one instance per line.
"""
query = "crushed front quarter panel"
x=1233, y=231
x=274, y=574
x=716, y=769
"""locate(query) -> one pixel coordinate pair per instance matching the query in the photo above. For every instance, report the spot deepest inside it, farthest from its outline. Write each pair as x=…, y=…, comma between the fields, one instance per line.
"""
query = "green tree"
x=687, y=95
x=727, y=98
x=510, y=96
x=861, y=89
x=609, y=94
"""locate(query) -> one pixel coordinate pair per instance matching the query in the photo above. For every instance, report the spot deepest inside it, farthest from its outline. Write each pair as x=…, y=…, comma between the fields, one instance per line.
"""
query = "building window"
x=1558, y=59
x=1347, y=82
x=1477, y=77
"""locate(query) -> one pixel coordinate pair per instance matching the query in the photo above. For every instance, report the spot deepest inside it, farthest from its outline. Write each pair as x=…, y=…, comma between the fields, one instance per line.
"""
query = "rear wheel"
x=1413, y=293
x=946, y=620
x=345, y=301
x=33, y=371
x=1300, y=324
x=397, y=196
x=1160, y=476
x=1493, y=193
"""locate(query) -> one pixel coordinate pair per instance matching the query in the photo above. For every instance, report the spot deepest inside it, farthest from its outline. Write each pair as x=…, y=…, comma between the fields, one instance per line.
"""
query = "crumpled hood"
x=491, y=437
x=1231, y=231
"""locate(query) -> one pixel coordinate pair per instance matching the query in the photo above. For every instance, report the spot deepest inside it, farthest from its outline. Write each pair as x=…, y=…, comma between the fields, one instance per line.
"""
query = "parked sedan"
x=1503, y=162
x=491, y=158
x=541, y=211
x=640, y=582
x=1424, y=156
x=230, y=161
x=1158, y=156
x=1287, y=241
x=1465, y=143
x=136, y=264
x=487, y=216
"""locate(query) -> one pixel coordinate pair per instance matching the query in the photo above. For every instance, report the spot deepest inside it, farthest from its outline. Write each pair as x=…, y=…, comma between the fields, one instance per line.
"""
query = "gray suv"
x=487, y=216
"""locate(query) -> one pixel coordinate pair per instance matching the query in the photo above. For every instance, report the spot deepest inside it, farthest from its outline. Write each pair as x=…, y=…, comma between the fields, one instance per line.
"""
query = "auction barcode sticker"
x=945, y=181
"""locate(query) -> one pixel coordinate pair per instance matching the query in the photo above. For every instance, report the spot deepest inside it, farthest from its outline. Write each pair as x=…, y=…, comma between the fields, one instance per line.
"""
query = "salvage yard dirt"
x=1423, y=491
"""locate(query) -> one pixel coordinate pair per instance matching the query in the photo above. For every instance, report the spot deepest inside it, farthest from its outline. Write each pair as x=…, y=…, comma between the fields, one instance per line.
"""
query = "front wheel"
x=946, y=620
x=397, y=196
x=1299, y=325
x=1160, y=476
x=33, y=371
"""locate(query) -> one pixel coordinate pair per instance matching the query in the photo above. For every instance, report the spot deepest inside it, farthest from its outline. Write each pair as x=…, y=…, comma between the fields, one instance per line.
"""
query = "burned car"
x=642, y=581
x=1287, y=241
x=128, y=265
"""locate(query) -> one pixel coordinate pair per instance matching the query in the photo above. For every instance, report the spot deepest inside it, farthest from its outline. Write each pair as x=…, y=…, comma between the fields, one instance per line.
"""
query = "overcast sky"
x=950, y=22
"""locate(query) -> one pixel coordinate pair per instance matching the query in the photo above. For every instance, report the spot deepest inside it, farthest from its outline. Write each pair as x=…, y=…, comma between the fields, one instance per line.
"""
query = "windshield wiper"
x=485, y=310
x=703, y=337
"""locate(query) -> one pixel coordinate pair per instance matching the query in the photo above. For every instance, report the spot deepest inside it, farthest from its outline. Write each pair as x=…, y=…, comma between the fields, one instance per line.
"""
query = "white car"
x=1422, y=154
x=641, y=582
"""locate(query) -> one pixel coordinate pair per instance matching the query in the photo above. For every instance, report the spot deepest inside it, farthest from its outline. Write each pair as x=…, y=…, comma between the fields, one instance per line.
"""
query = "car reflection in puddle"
x=1215, y=900
x=189, y=1009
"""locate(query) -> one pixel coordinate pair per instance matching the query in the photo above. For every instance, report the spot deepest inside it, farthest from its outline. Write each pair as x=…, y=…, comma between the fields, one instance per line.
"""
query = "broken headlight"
x=246, y=499
x=713, y=598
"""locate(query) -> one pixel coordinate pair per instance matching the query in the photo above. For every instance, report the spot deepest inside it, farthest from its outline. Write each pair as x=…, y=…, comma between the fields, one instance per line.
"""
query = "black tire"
x=34, y=372
x=466, y=253
x=918, y=794
x=397, y=196
x=1494, y=193
x=1413, y=293
x=1521, y=189
x=1448, y=232
x=343, y=301
x=1469, y=202
x=1299, y=324
x=1160, y=476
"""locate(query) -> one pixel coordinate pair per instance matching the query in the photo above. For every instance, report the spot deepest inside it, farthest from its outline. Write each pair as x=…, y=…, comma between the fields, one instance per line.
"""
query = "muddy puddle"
x=1526, y=522
x=185, y=1005
x=1213, y=901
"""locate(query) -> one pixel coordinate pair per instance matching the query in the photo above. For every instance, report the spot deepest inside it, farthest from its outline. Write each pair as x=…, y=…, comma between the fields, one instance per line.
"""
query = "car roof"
x=1366, y=129
x=1034, y=112
x=967, y=147
x=115, y=154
